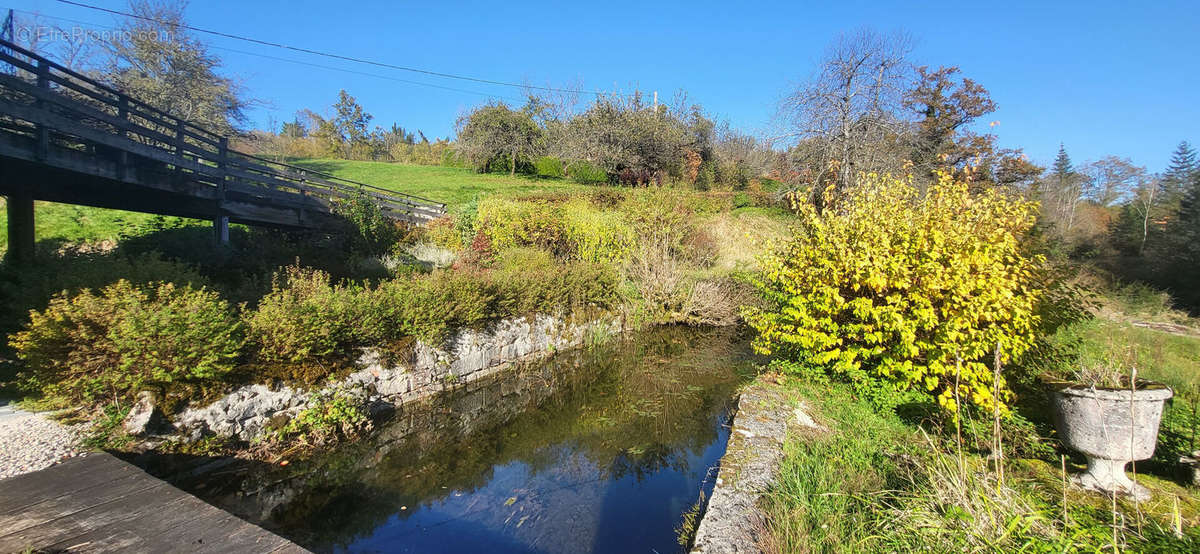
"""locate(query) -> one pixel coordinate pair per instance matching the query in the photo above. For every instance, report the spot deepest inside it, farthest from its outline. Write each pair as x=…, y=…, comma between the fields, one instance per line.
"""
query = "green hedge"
x=586, y=173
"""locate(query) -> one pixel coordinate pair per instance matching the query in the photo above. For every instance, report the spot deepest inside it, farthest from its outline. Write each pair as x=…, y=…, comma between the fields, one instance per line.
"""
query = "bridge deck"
x=98, y=503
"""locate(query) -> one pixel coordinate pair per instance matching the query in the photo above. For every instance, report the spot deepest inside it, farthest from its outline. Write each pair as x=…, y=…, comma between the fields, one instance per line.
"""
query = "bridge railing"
x=46, y=103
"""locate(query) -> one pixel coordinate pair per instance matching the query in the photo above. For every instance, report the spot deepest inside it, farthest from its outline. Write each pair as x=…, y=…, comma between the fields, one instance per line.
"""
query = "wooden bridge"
x=65, y=137
x=98, y=503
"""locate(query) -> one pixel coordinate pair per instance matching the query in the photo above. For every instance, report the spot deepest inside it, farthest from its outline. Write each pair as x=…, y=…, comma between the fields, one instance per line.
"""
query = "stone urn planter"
x=1111, y=427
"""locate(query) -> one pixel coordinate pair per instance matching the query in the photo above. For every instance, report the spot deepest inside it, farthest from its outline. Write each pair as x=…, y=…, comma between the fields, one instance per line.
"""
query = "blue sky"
x=1101, y=77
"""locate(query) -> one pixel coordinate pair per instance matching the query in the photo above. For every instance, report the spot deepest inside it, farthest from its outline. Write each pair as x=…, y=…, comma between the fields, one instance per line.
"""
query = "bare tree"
x=850, y=105
x=73, y=47
x=1113, y=179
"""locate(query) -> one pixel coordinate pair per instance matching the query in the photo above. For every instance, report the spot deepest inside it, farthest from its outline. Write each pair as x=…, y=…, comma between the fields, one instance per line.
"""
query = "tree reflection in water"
x=597, y=450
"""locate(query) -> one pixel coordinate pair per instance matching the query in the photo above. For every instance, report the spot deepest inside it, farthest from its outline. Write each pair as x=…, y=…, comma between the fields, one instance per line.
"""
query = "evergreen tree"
x=1062, y=169
x=1064, y=194
x=1183, y=163
x=1184, y=167
x=1188, y=218
x=1182, y=247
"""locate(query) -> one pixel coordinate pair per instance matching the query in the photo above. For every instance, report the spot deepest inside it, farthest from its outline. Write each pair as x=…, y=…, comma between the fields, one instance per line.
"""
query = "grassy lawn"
x=70, y=224
x=450, y=185
x=65, y=223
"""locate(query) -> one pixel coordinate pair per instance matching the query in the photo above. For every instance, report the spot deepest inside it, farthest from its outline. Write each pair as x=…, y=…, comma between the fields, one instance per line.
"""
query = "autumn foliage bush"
x=574, y=229
x=308, y=317
x=112, y=343
x=911, y=290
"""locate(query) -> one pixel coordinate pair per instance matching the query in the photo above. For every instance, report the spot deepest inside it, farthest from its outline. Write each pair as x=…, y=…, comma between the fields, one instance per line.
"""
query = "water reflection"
x=600, y=450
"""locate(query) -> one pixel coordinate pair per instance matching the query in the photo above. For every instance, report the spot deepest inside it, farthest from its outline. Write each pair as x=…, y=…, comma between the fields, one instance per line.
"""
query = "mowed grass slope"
x=68, y=224
x=450, y=185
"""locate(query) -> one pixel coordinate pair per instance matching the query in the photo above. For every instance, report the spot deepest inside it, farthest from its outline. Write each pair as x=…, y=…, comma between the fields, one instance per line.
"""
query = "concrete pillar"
x=20, y=227
x=221, y=229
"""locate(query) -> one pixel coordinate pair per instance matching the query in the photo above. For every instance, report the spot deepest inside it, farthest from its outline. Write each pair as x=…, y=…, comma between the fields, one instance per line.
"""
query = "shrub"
x=587, y=174
x=31, y=287
x=548, y=166
x=443, y=232
x=706, y=177
x=112, y=344
x=508, y=223
x=575, y=229
x=373, y=233
x=525, y=258
x=450, y=158
x=896, y=286
x=596, y=236
x=305, y=316
x=466, y=218
x=661, y=215
x=554, y=289
x=742, y=200
x=427, y=307
x=332, y=416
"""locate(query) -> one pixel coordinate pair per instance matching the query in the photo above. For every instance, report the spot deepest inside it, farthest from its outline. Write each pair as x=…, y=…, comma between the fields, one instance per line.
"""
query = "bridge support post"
x=20, y=227
x=221, y=229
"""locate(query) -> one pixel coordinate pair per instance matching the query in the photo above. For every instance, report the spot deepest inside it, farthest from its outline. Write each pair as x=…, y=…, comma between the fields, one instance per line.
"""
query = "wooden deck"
x=98, y=503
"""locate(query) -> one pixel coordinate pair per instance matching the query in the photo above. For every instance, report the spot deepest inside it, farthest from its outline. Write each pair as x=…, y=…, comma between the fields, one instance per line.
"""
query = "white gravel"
x=29, y=442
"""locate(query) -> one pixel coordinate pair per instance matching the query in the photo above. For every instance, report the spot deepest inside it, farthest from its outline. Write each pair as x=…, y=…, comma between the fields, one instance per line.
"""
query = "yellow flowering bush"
x=912, y=289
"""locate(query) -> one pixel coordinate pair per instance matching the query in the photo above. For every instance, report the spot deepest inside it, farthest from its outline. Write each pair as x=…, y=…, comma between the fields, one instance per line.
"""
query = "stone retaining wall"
x=469, y=355
x=750, y=466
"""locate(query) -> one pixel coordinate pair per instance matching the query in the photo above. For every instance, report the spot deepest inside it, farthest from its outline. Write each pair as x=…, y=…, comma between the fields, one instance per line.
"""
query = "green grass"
x=876, y=483
x=69, y=224
x=1172, y=359
x=450, y=185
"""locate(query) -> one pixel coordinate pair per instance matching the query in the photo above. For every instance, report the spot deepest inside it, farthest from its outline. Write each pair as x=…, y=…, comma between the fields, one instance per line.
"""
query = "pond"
x=593, y=450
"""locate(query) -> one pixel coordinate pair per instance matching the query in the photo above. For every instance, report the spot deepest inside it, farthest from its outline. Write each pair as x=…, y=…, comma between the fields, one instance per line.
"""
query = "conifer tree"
x=1062, y=165
x=1183, y=163
x=1184, y=166
x=1067, y=190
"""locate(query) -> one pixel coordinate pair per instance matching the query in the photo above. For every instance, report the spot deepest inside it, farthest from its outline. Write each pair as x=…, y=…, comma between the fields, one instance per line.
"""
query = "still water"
x=601, y=450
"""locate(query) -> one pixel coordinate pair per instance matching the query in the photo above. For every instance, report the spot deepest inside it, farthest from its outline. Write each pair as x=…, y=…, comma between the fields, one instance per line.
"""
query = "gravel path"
x=29, y=442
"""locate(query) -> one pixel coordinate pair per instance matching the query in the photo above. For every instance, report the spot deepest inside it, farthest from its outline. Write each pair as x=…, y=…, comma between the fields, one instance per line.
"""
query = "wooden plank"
x=148, y=111
x=218, y=531
x=70, y=476
x=96, y=115
x=184, y=523
x=64, y=160
x=268, y=175
x=57, y=503
x=66, y=125
x=126, y=503
x=101, y=504
x=122, y=124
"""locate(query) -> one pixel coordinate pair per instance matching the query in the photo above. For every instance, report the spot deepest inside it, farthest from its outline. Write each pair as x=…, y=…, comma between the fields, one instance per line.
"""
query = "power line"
x=338, y=56
x=299, y=62
x=364, y=73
